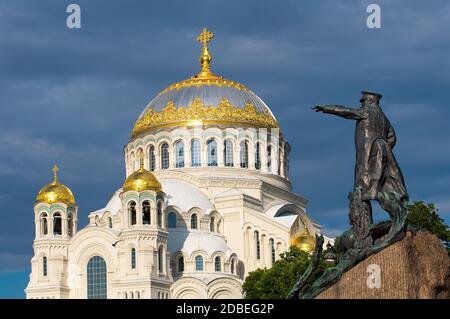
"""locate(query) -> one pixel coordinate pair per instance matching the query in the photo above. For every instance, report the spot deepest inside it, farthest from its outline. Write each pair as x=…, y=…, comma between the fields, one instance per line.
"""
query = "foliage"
x=277, y=281
x=425, y=217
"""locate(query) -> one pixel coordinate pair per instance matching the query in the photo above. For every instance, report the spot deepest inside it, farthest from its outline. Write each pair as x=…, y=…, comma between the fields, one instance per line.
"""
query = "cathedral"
x=206, y=200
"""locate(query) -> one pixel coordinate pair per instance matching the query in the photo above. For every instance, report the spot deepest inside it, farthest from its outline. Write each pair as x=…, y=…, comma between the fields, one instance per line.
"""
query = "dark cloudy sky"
x=71, y=96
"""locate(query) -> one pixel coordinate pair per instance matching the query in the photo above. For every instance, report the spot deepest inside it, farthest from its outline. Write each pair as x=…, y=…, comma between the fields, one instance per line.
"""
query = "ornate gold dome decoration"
x=205, y=99
x=142, y=179
x=304, y=241
x=199, y=114
x=55, y=192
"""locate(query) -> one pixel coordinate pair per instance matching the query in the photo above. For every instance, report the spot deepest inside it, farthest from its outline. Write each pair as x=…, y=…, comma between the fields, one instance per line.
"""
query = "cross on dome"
x=205, y=36
x=205, y=59
x=55, y=170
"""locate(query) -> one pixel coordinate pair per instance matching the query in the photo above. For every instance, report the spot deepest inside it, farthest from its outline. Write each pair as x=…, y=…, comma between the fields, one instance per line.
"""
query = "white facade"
x=226, y=208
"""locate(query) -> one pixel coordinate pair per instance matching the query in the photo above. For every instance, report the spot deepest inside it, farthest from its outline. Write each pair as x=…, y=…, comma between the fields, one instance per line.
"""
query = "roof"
x=185, y=195
x=113, y=206
x=190, y=241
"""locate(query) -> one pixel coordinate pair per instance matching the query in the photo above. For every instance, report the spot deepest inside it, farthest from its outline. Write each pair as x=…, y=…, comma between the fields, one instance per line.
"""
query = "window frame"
x=179, y=159
x=196, y=158
x=212, y=153
x=199, y=263
x=165, y=155
x=217, y=264
x=194, y=221
x=243, y=154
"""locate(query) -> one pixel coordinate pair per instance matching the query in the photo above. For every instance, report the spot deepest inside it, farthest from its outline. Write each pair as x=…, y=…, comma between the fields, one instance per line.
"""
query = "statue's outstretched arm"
x=342, y=111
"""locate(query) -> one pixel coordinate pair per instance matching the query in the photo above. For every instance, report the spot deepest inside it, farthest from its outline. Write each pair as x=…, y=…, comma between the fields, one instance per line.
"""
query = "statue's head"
x=370, y=98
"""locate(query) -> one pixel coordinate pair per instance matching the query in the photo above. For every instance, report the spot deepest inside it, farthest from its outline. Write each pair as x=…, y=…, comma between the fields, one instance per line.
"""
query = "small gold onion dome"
x=55, y=192
x=304, y=241
x=141, y=180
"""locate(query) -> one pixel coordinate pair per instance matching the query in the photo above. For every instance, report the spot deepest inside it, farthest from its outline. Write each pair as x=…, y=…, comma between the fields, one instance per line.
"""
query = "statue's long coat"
x=376, y=169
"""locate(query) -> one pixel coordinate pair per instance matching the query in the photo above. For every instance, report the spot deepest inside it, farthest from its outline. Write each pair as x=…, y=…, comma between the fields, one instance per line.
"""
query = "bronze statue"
x=377, y=177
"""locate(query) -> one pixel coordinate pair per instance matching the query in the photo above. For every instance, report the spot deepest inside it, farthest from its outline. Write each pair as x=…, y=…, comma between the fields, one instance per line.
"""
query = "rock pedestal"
x=416, y=267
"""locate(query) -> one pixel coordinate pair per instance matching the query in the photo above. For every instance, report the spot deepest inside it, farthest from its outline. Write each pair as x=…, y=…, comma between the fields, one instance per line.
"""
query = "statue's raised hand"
x=317, y=108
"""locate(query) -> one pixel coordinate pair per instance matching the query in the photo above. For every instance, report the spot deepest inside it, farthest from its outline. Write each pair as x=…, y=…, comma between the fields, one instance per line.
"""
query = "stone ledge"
x=418, y=267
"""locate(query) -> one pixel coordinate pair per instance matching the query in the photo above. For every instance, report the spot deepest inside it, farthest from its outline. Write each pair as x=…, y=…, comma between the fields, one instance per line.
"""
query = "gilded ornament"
x=224, y=113
x=142, y=179
x=55, y=192
x=304, y=241
x=199, y=114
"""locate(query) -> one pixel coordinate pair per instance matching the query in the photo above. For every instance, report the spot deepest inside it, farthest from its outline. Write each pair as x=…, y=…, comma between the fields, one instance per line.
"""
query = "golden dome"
x=205, y=99
x=142, y=180
x=304, y=241
x=55, y=192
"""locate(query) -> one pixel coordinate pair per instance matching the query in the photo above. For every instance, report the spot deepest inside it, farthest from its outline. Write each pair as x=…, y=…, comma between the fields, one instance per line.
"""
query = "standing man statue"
x=377, y=177
x=377, y=173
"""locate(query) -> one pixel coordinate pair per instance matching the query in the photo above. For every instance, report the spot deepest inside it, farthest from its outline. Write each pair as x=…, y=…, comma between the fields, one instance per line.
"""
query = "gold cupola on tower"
x=304, y=241
x=142, y=179
x=55, y=192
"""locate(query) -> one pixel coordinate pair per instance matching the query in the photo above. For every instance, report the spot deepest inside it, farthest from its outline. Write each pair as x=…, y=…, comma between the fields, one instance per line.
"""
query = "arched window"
x=272, y=249
x=198, y=263
x=194, y=221
x=44, y=224
x=228, y=153
x=195, y=153
x=211, y=147
x=70, y=224
x=258, y=245
x=125, y=295
x=132, y=164
x=244, y=154
x=258, y=156
x=172, y=220
x=217, y=264
x=96, y=278
x=160, y=259
x=57, y=225
x=137, y=294
x=179, y=154
x=180, y=264
x=159, y=213
x=151, y=158
x=269, y=158
x=146, y=219
x=110, y=222
x=44, y=266
x=133, y=258
x=132, y=212
x=211, y=224
x=232, y=266
x=165, y=156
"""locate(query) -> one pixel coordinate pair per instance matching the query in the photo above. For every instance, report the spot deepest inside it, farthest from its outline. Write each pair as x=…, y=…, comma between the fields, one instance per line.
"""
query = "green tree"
x=425, y=217
x=277, y=281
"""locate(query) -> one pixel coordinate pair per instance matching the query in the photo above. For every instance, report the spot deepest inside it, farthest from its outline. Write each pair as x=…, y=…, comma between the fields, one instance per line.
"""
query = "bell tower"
x=55, y=218
x=143, y=247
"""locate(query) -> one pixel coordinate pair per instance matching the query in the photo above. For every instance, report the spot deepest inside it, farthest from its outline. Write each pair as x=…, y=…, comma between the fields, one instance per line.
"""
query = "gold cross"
x=55, y=170
x=205, y=37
